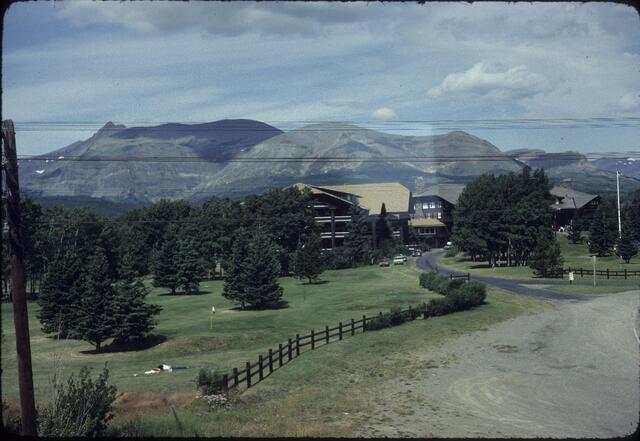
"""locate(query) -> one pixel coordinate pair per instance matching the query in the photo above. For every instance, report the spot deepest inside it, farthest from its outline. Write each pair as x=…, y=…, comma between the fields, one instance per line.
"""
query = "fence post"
x=289, y=349
x=364, y=322
x=468, y=277
x=625, y=274
x=340, y=331
x=424, y=311
x=353, y=326
x=225, y=383
x=280, y=354
x=260, y=373
x=248, y=374
x=235, y=377
x=451, y=276
x=270, y=360
x=410, y=313
x=607, y=273
x=313, y=339
x=580, y=272
x=326, y=338
x=297, y=344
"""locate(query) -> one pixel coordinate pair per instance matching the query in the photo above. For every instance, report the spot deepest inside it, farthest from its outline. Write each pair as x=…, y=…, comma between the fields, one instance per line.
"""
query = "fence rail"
x=252, y=373
x=583, y=272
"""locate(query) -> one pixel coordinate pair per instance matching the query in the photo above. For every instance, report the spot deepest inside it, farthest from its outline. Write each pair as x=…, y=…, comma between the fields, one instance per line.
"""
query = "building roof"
x=425, y=222
x=567, y=197
x=448, y=192
x=395, y=196
x=319, y=191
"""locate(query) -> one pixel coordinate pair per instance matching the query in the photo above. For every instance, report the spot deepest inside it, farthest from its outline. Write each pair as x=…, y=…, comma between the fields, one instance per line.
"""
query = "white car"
x=399, y=260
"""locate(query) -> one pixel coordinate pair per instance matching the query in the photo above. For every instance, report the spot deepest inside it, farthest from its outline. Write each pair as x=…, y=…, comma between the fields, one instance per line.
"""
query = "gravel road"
x=569, y=371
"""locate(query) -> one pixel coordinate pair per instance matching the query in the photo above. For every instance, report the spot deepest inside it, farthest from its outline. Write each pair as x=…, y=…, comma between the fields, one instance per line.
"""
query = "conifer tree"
x=95, y=321
x=133, y=317
x=627, y=247
x=383, y=230
x=235, y=281
x=575, y=235
x=546, y=259
x=603, y=230
x=261, y=271
x=188, y=266
x=357, y=244
x=307, y=259
x=58, y=300
x=165, y=271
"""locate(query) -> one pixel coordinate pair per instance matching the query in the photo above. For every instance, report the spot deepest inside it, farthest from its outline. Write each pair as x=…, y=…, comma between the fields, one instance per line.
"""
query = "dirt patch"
x=138, y=403
x=569, y=372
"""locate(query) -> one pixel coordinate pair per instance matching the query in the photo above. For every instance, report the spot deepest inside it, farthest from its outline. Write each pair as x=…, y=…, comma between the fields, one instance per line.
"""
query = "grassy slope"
x=307, y=397
x=575, y=256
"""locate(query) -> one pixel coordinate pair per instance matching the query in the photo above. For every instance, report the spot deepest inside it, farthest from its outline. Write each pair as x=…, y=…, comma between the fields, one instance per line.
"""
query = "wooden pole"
x=297, y=344
x=18, y=279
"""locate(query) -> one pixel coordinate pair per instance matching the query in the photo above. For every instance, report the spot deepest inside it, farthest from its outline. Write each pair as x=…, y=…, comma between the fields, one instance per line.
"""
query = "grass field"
x=308, y=397
x=575, y=256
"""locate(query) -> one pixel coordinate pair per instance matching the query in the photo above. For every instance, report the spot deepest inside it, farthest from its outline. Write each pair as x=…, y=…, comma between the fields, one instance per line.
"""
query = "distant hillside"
x=237, y=157
x=630, y=167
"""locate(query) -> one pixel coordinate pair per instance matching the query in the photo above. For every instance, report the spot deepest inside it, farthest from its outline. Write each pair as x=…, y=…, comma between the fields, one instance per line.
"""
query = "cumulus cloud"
x=384, y=114
x=629, y=102
x=487, y=81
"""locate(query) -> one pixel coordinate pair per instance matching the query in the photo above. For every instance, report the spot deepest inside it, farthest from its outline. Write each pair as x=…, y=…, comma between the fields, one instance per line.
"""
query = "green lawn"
x=307, y=397
x=575, y=256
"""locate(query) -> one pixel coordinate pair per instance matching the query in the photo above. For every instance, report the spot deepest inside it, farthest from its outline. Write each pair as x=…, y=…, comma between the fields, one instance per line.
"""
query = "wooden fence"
x=582, y=272
x=253, y=373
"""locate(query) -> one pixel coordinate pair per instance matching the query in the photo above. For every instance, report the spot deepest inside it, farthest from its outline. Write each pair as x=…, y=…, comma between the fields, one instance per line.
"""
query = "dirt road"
x=569, y=371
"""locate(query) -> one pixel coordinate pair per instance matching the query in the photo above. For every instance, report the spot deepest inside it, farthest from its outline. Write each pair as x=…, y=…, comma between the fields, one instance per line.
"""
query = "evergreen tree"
x=307, y=260
x=57, y=299
x=603, y=231
x=575, y=235
x=133, y=317
x=252, y=272
x=235, y=282
x=383, y=230
x=95, y=321
x=627, y=247
x=546, y=259
x=165, y=270
x=189, y=268
x=357, y=244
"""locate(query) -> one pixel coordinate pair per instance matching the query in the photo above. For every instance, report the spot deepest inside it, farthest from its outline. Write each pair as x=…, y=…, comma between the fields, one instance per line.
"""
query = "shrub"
x=209, y=381
x=451, y=252
x=447, y=287
x=81, y=408
x=439, y=306
x=396, y=317
x=474, y=292
x=380, y=322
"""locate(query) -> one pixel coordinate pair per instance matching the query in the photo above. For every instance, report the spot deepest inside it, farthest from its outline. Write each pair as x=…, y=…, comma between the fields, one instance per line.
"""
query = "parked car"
x=384, y=262
x=399, y=260
x=416, y=253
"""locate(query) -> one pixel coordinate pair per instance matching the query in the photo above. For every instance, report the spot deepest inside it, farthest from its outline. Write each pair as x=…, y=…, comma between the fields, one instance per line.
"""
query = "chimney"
x=567, y=183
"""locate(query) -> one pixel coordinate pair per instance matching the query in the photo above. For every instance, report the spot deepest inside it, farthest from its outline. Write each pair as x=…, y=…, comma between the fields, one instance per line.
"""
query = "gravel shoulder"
x=569, y=371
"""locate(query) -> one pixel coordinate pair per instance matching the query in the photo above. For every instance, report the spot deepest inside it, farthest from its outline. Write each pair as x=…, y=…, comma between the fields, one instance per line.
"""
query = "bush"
x=11, y=420
x=396, y=317
x=439, y=306
x=474, y=292
x=380, y=322
x=452, y=252
x=209, y=381
x=81, y=408
x=447, y=287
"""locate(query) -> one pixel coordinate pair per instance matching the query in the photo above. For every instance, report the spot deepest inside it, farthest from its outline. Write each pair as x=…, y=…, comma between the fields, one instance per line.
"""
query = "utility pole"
x=619, y=221
x=18, y=280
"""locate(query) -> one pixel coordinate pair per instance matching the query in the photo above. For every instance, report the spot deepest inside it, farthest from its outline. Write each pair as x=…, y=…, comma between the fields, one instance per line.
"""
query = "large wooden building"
x=432, y=217
x=570, y=203
x=332, y=204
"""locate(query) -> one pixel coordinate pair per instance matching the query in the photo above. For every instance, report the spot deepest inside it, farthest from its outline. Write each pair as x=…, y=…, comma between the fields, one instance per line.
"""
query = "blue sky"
x=543, y=72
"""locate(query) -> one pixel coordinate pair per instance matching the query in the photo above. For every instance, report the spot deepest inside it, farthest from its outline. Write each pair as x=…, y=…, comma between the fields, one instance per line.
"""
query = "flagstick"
x=619, y=221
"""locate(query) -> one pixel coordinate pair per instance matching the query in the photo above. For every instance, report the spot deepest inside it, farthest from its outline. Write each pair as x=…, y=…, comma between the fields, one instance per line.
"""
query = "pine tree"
x=252, y=272
x=96, y=319
x=165, y=270
x=307, y=260
x=575, y=235
x=547, y=259
x=383, y=230
x=189, y=268
x=357, y=245
x=603, y=231
x=134, y=318
x=235, y=282
x=58, y=300
x=627, y=247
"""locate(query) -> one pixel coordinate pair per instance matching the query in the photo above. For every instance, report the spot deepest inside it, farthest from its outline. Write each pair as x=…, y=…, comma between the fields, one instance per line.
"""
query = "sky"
x=556, y=76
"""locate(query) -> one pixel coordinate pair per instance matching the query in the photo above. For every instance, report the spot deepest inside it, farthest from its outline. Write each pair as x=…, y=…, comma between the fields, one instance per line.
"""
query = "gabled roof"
x=319, y=191
x=395, y=196
x=567, y=197
x=448, y=192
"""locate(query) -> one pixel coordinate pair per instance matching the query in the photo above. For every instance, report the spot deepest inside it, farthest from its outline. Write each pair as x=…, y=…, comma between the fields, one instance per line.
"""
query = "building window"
x=425, y=205
x=432, y=205
x=439, y=215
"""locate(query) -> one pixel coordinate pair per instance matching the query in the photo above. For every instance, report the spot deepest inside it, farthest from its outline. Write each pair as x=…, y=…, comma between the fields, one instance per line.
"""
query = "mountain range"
x=138, y=165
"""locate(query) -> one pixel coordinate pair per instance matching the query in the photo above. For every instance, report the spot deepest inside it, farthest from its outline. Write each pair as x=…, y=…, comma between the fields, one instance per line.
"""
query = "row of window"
x=426, y=230
x=428, y=205
x=434, y=215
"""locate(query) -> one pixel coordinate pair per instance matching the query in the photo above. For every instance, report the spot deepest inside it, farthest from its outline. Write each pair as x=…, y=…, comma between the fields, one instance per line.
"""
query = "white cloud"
x=629, y=102
x=384, y=114
x=487, y=81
